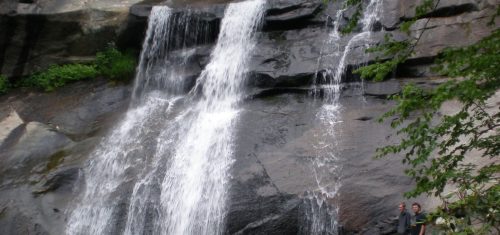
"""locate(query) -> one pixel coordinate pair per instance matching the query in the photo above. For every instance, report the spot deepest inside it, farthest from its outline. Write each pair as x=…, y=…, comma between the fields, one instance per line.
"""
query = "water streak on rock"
x=320, y=206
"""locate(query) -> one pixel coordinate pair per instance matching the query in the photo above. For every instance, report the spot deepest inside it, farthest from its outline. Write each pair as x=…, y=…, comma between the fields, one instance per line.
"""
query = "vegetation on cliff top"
x=59, y=75
x=110, y=63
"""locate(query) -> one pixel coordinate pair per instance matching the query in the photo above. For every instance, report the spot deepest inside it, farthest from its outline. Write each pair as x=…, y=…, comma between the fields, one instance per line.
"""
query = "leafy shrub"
x=59, y=75
x=114, y=64
x=4, y=84
x=109, y=63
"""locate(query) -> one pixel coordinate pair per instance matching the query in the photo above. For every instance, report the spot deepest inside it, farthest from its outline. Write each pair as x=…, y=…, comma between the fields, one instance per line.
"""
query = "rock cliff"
x=46, y=137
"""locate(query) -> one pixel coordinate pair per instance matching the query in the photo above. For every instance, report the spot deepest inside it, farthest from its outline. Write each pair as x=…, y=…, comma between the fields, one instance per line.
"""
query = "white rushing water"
x=320, y=206
x=164, y=168
x=130, y=146
x=194, y=190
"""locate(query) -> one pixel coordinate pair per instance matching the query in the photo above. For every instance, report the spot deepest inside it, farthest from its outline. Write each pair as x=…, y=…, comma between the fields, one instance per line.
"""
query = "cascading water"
x=320, y=207
x=329, y=86
x=193, y=192
x=127, y=154
x=370, y=16
x=164, y=169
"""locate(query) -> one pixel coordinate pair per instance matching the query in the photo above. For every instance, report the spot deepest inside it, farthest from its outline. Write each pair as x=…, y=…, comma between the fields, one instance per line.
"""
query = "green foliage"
x=115, y=65
x=59, y=75
x=398, y=51
x=378, y=71
x=4, y=84
x=109, y=63
x=473, y=129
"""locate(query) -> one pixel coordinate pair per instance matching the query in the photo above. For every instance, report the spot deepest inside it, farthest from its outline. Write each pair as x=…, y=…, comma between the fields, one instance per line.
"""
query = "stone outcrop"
x=451, y=24
x=40, y=170
x=35, y=142
x=36, y=35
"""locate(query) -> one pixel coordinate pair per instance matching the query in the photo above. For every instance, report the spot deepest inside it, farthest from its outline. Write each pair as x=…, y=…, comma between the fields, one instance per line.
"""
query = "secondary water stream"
x=321, y=205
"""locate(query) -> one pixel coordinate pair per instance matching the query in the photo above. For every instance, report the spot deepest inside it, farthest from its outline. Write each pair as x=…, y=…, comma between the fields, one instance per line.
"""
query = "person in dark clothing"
x=418, y=221
x=404, y=220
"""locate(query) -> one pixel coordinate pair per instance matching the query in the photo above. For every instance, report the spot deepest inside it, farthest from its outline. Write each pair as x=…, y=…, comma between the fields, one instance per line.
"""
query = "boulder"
x=35, y=144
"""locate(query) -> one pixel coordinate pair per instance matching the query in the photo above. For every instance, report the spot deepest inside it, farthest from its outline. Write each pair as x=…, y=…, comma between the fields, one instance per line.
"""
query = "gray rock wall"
x=45, y=138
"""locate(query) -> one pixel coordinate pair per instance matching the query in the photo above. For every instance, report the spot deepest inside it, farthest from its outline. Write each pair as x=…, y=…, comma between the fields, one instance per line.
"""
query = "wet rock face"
x=291, y=14
x=276, y=149
x=36, y=142
x=286, y=58
x=44, y=146
x=79, y=110
x=26, y=156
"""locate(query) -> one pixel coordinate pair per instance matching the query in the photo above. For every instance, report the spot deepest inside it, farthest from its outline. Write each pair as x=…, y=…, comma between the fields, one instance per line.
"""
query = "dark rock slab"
x=453, y=31
x=394, y=12
x=285, y=59
x=78, y=110
x=274, y=150
x=272, y=168
x=291, y=14
x=371, y=188
x=382, y=89
x=58, y=180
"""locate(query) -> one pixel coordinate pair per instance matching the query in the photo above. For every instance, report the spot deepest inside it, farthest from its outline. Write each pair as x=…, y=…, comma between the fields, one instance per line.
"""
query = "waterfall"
x=320, y=206
x=159, y=69
x=164, y=168
x=193, y=192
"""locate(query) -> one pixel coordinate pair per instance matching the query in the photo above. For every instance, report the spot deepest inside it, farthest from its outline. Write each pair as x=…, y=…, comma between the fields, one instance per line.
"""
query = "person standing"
x=404, y=220
x=418, y=221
